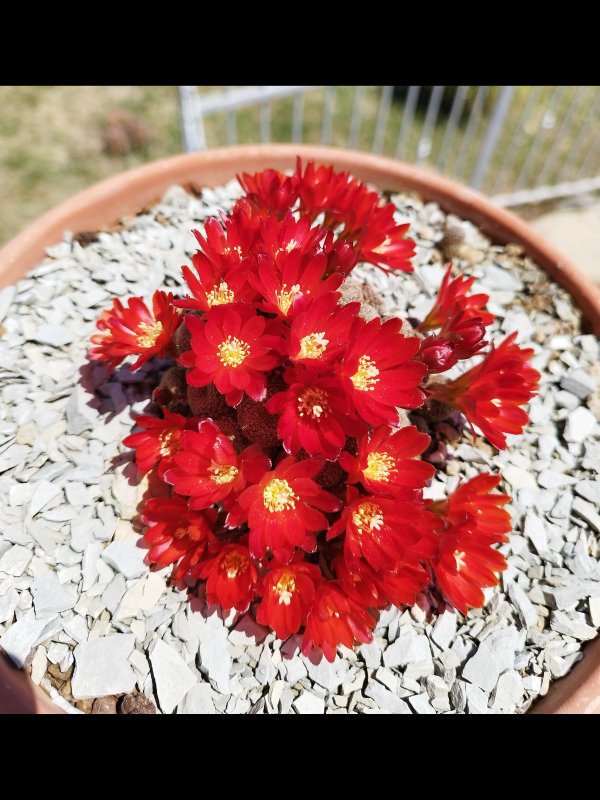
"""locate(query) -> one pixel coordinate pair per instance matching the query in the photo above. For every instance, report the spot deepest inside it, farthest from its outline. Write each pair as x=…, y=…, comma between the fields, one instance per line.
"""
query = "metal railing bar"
x=192, y=123
x=501, y=108
x=512, y=150
x=431, y=115
x=242, y=96
x=328, y=107
x=541, y=193
x=298, y=117
x=539, y=138
x=407, y=118
x=356, y=119
x=588, y=123
x=469, y=134
x=558, y=140
x=452, y=125
x=382, y=117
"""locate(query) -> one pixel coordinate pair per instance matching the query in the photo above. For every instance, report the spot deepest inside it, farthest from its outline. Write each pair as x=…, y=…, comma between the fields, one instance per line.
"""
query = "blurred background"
x=535, y=149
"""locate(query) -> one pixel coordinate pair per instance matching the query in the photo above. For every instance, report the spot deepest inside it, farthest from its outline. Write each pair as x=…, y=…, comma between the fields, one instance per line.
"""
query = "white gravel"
x=76, y=601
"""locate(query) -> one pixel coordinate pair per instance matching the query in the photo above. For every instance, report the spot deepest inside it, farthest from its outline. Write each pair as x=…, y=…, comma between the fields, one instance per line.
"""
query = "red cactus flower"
x=287, y=286
x=319, y=334
x=176, y=534
x=377, y=589
x=491, y=394
x=287, y=595
x=378, y=372
x=278, y=237
x=335, y=618
x=384, y=531
x=231, y=577
x=270, y=189
x=460, y=337
x=453, y=298
x=208, y=468
x=473, y=521
x=223, y=247
x=367, y=225
x=159, y=441
x=315, y=415
x=231, y=348
x=211, y=289
x=135, y=330
x=285, y=509
x=386, y=462
x=474, y=505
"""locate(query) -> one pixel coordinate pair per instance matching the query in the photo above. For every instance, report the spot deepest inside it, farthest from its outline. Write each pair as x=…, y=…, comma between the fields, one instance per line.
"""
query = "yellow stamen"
x=223, y=473
x=286, y=298
x=379, y=467
x=313, y=345
x=278, y=495
x=233, y=352
x=148, y=333
x=459, y=557
x=234, y=564
x=220, y=295
x=236, y=249
x=382, y=248
x=368, y=516
x=365, y=377
x=312, y=402
x=285, y=588
x=167, y=442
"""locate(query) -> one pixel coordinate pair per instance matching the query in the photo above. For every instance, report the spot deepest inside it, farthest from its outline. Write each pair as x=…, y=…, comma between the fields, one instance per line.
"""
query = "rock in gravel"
x=136, y=703
x=420, y=704
x=444, y=629
x=508, y=692
x=8, y=603
x=587, y=512
x=172, y=676
x=580, y=424
x=309, y=703
x=523, y=604
x=102, y=666
x=105, y=705
x=198, y=700
x=49, y=596
x=481, y=669
x=407, y=649
x=25, y=634
x=215, y=658
x=578, y=383
x=126, y=557
x=55, y=335
x=15, y=560
x=386, y=699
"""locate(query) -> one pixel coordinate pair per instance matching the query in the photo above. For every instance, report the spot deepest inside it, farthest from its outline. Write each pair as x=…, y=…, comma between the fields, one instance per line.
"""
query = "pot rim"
x=127, y=192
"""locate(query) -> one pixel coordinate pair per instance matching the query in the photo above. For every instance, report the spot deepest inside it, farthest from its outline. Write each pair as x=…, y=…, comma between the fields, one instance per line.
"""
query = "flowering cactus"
x=296, y=478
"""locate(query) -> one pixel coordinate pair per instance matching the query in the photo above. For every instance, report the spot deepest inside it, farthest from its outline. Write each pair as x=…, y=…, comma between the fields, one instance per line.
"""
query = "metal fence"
x=519, y=144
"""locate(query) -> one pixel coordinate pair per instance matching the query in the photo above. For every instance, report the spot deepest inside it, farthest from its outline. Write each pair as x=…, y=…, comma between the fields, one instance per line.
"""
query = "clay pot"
x=125, y=194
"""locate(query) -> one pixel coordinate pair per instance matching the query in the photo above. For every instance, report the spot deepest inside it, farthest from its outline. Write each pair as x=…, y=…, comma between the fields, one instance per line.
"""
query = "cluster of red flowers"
x=294, y=484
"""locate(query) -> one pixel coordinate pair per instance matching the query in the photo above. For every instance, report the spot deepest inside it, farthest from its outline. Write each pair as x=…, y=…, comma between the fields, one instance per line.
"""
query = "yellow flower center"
x=285, y=588
x=278, y=495
x=180, y=533
x=459, y=557
x=148, y=333
x=285, y=298
x=233, y=352
x=234, y=564
x=168, y=441
x=312, y=402
x=379, y=466
x=367, y=516
x=365, y=377
x=313, y=345
x=223, y=473
x=220, y=295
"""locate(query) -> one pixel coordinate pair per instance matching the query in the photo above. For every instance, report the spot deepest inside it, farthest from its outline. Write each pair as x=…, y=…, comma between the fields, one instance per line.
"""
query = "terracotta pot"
x=126, y=193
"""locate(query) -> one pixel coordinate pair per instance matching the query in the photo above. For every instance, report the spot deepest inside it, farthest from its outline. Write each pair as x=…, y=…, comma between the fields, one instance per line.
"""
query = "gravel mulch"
x=96, y=629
